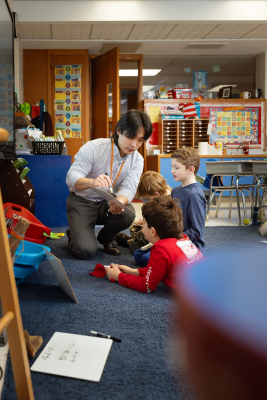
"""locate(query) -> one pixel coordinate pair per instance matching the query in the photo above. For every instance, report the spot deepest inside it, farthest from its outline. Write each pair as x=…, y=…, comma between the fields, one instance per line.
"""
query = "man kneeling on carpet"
x=163, y=227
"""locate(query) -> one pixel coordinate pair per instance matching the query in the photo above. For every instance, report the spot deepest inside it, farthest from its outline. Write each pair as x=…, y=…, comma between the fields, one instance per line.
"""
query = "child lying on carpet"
x=171, y=250
x=151, y=185
x=185, y=164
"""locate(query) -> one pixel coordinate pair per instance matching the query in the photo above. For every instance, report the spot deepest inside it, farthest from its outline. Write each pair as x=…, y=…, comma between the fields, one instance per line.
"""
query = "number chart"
x=68, y=106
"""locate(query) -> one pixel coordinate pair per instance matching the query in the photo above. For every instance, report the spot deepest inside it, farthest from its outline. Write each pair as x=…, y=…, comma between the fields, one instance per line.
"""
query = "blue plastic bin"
x=27, y=261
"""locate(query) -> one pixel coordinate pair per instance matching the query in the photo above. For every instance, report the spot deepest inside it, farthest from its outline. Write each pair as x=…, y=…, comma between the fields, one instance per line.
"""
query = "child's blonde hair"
x=150, y=183
x=188, y=157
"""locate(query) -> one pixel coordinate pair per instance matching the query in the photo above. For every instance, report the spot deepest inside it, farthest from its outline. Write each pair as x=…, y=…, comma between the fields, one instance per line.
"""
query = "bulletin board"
x=6, y=99
x=235, y=122
x=68, y=105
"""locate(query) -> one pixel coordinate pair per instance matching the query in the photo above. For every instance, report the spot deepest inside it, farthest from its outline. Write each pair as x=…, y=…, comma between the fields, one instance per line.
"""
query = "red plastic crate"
x=36, y=229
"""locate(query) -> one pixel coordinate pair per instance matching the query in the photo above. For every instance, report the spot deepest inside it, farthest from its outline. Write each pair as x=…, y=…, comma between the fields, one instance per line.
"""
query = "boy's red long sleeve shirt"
x=167, y=259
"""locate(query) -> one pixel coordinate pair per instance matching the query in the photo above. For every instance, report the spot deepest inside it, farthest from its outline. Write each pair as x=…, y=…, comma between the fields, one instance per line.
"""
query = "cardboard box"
x=179, y=93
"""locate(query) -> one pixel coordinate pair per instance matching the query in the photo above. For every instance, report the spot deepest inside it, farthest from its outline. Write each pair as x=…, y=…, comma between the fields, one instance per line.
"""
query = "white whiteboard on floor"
x=74, y=356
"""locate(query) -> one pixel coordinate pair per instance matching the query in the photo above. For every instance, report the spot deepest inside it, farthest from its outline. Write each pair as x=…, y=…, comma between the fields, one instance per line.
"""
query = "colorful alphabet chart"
x=234, y=125
x=68, y=105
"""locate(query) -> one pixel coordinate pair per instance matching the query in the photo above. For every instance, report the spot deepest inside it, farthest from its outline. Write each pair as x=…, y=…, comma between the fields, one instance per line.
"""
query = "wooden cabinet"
x=14, y=190
x=174, y=134
x=200, y=131
x=167, y=136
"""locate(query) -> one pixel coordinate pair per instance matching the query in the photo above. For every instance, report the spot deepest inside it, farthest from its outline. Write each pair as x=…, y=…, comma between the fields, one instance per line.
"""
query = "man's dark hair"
x=165, y=216
x=130, y=123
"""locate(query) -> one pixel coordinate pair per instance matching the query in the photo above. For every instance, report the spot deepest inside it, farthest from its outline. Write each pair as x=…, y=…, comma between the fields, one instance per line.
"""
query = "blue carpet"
x=144, y=365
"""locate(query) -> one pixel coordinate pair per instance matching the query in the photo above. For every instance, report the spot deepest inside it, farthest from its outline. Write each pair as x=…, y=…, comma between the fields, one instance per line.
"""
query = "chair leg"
x=244, y=203
x=262, y=206
x=210, y=199
x=264, y=198
x=218, y=205
x=231, y=197
x=237, y=200
x=251, y=200
x=230, y=203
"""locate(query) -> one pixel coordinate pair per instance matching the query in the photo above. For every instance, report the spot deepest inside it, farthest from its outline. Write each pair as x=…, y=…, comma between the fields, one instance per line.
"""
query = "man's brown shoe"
x=109, y=247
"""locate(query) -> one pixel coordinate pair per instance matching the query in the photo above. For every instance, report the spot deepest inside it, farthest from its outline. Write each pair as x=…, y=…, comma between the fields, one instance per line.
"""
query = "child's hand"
x=113, y=272
x=140, y=221
x=127, y=270
x=124, y=268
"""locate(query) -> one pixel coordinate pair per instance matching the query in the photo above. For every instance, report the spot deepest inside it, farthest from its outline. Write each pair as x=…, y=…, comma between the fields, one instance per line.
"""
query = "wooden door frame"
x=131, y=58
x=110, y=75
x=67, y=52
x=139, y=59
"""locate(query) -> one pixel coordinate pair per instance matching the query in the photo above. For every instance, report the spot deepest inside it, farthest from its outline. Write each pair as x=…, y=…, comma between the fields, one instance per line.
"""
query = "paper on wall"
x=209, y=129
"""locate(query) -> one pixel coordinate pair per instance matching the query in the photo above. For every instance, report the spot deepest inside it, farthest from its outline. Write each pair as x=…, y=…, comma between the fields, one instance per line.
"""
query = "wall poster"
x=6, y=99
x=234, y=123
x=68, y=104
x=200, y=81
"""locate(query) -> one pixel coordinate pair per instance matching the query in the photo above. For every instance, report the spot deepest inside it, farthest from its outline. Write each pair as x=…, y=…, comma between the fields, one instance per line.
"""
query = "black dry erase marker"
x=110, y=187
x=102, y=335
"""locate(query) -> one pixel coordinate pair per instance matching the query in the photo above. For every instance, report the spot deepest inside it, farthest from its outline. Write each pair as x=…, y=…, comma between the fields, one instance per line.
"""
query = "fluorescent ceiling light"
x=134, y=72
x=147, y=88
x=217, y=88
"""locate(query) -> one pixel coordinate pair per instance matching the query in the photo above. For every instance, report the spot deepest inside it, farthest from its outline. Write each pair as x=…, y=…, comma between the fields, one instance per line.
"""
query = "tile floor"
x=221, y=220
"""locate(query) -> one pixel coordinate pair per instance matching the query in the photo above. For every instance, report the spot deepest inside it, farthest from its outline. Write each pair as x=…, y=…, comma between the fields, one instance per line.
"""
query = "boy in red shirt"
x=163, y=227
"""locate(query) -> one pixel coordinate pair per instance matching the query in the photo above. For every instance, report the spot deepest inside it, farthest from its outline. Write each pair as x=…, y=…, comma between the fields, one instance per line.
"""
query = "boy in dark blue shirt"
x=185, y=164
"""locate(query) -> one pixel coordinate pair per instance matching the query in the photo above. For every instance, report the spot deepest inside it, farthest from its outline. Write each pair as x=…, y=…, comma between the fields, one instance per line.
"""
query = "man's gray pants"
x=83, y=215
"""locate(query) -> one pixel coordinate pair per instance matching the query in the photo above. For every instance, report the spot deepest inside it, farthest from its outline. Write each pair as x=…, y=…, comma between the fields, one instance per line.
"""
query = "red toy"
x=36, y=230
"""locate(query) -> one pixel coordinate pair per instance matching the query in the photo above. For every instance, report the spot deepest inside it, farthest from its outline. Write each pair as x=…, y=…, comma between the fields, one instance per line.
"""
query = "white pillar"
x=261, y=73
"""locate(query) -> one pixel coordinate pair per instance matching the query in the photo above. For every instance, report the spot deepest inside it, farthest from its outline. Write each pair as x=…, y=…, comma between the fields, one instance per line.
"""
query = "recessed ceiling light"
x=217, y=88
x=134, y=72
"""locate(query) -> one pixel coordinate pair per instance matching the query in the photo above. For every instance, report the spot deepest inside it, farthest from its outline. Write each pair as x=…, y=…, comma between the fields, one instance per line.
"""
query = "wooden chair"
x=11, y=319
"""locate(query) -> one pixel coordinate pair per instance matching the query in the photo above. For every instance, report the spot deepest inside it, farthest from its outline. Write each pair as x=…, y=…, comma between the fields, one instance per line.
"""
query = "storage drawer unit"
x=175, y=134
x=200, y=131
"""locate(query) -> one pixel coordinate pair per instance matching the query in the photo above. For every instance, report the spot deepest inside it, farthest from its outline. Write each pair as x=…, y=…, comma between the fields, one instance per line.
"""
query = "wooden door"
x=105, y=71
x=79, y=101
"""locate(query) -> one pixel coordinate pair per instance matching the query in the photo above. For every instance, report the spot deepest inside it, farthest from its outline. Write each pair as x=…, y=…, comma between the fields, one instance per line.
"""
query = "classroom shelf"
x=174, y=134
x=21, y=120
x=13, y=189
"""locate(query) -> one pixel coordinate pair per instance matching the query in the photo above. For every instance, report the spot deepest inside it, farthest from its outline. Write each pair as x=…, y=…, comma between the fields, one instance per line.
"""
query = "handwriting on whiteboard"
x=70, y=354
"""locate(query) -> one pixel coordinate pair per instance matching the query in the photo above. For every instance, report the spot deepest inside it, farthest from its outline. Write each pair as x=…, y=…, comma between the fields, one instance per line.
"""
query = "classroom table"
x=237, y=169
